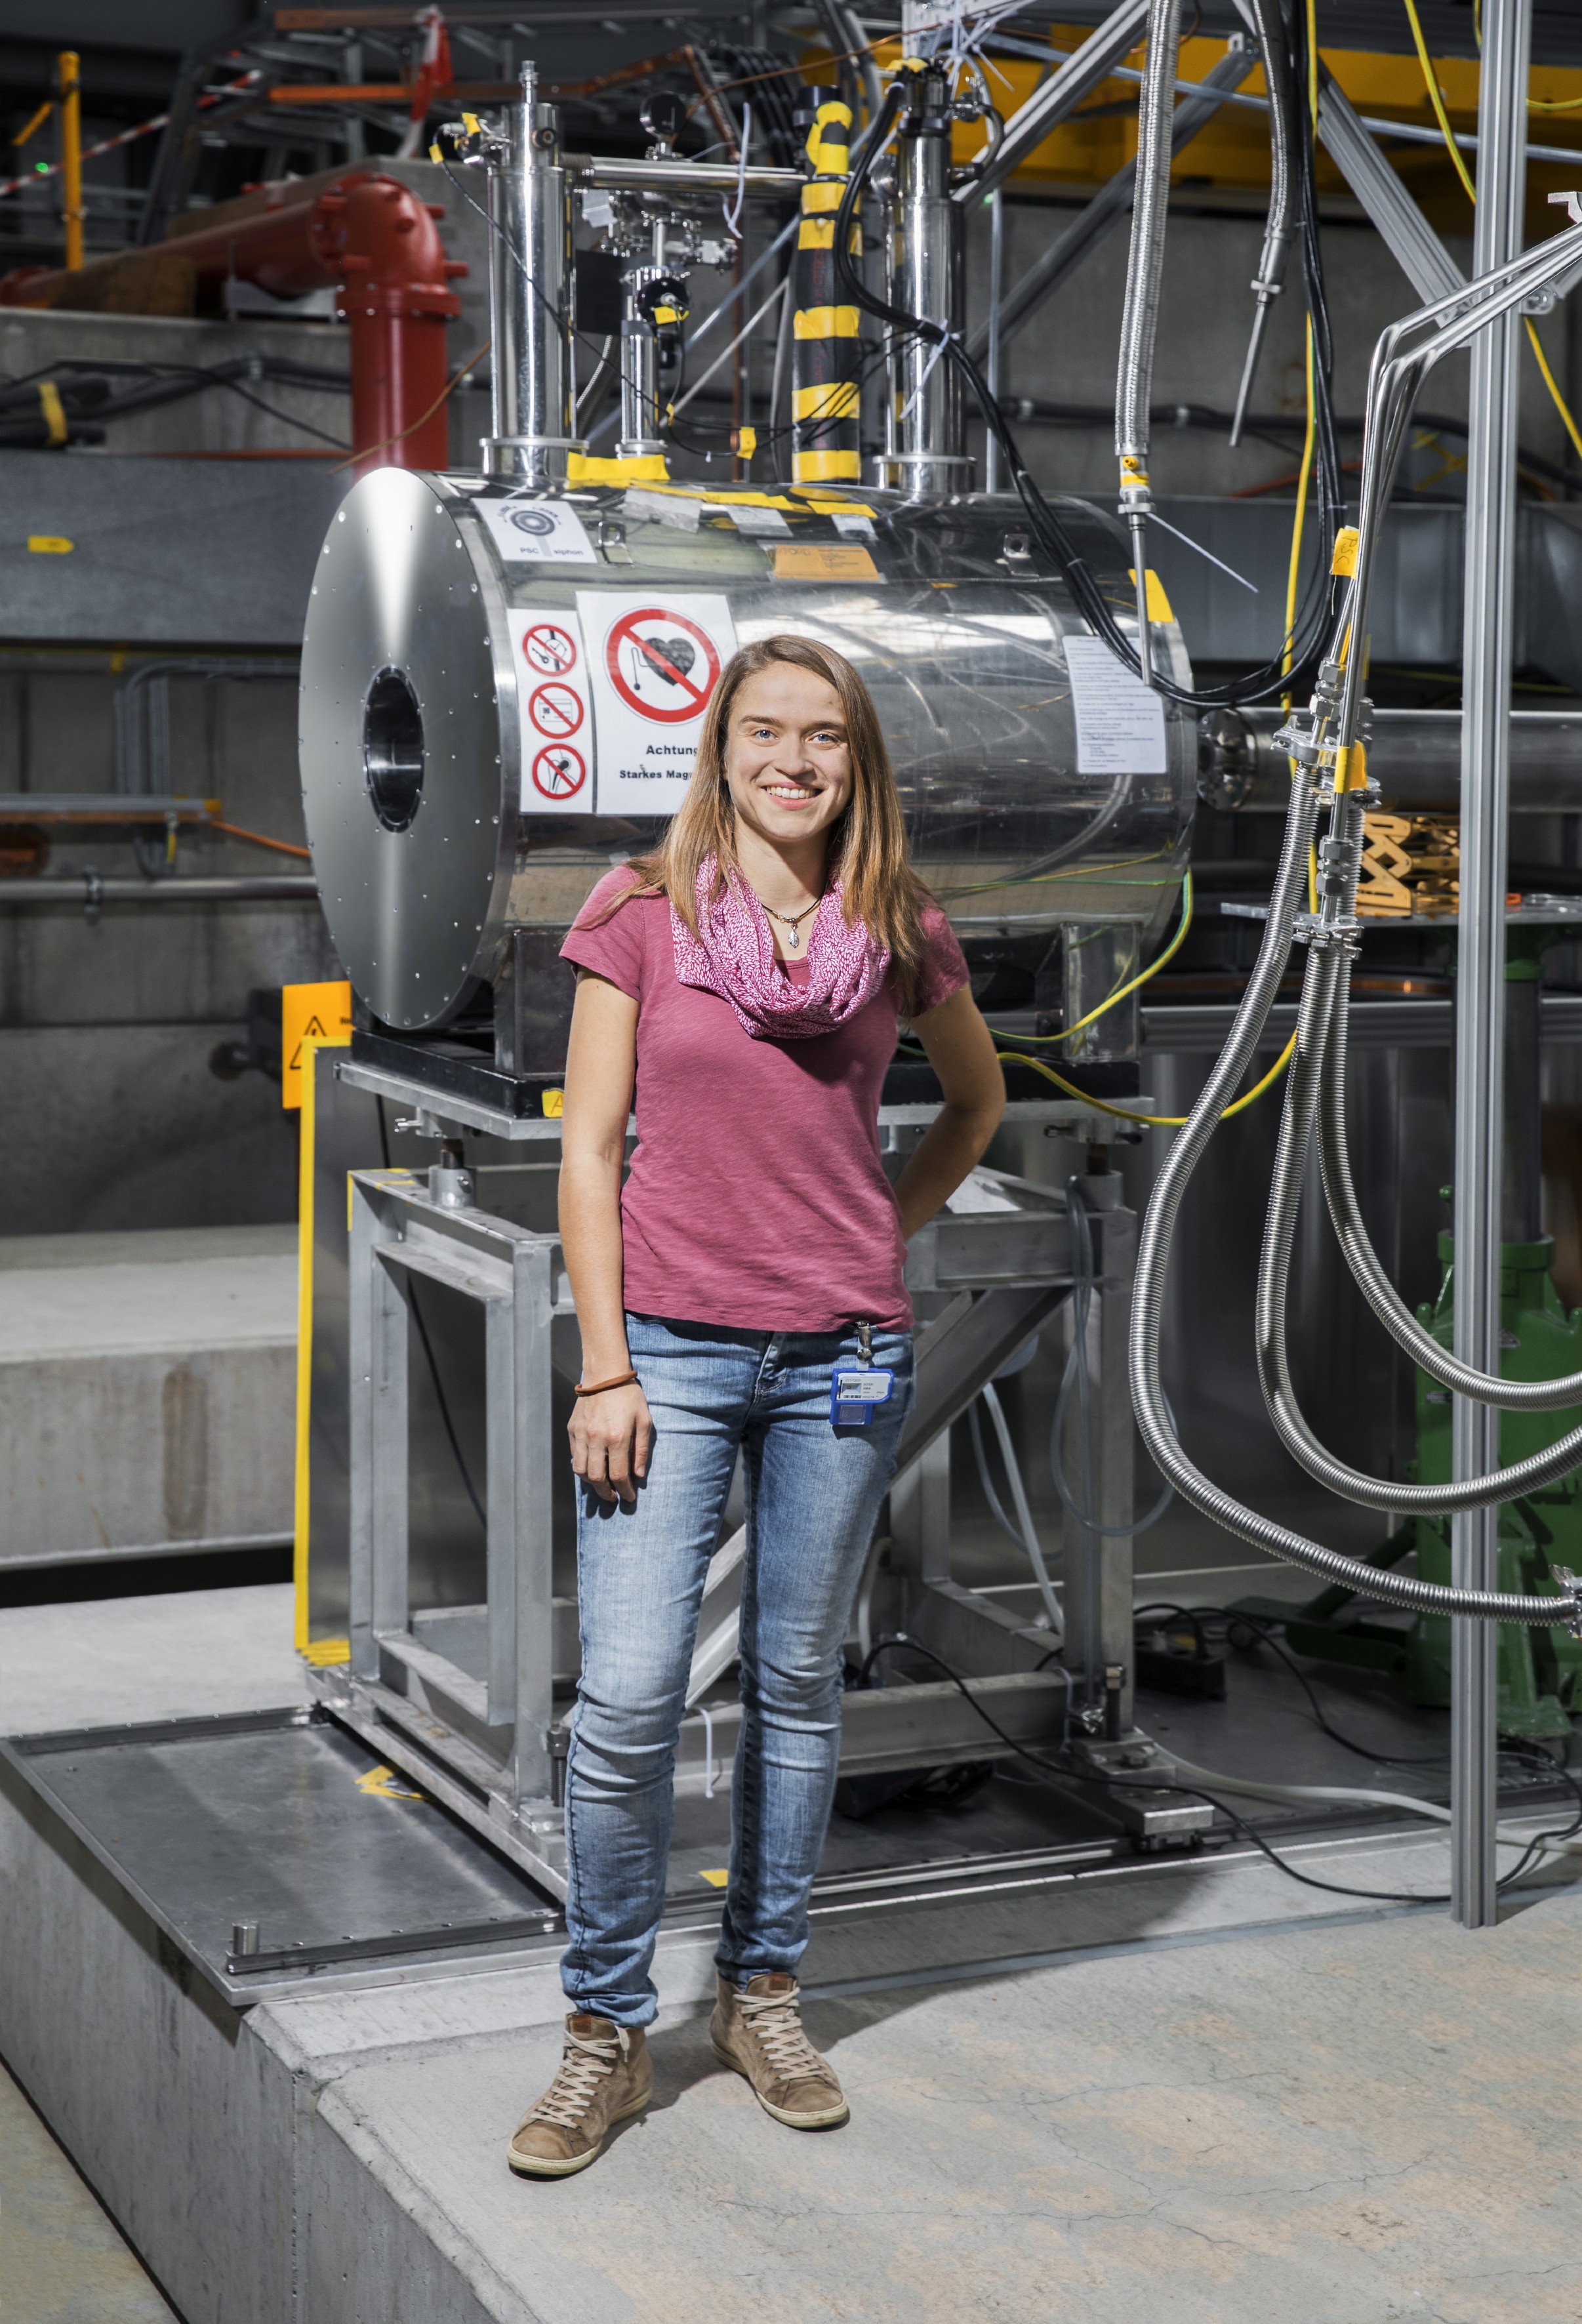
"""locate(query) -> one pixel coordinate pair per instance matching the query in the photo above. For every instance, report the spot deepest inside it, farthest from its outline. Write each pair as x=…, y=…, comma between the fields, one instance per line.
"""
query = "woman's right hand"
x=611, y=1437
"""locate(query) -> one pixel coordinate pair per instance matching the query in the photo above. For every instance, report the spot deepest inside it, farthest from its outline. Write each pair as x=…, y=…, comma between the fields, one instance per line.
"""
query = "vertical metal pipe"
x=71, y=210
x=1133, y=377
x=997, y=264
x=533, y=418
x=1491, y=517
x=924, y=436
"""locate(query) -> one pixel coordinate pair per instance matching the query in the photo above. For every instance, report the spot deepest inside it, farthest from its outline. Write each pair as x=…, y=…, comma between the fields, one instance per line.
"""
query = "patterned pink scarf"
x=733, y=955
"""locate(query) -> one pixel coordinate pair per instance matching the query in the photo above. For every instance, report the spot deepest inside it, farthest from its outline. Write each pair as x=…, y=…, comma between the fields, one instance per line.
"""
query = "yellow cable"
x=1435, y=99
x=1556, y=398
x=1121, y=991
x=1151, y=1121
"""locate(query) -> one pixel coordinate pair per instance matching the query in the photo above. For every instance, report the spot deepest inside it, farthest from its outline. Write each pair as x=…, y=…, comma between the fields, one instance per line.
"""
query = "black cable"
x=427, y=1346
x=1261, y=1624
x=1048, y=1768
x=1308, y=643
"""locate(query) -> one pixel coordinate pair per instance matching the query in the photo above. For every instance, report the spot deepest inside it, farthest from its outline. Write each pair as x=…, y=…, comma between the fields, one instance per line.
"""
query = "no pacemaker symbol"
x=662, y=664
x=559, y=773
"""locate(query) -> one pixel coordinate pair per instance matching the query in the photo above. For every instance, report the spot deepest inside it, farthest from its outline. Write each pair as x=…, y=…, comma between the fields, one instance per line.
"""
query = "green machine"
x=1539, y=1672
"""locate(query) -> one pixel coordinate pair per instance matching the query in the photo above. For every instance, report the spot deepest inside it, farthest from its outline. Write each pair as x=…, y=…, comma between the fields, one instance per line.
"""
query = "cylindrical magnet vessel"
x=501, y=693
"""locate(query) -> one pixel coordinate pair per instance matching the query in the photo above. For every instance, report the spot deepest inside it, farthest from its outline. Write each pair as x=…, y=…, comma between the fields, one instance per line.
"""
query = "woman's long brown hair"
x=867, y=853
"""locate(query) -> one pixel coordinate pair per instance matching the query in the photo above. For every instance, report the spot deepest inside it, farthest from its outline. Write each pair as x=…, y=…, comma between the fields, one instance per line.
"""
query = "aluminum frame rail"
x=491, y=1742
x=1485, y=781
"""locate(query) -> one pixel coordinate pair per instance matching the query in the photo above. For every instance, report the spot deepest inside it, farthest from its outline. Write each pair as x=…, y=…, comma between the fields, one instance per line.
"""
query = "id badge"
x=856, y=1396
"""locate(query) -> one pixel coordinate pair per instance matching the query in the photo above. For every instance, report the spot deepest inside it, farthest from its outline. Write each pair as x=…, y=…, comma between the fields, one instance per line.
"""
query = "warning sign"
x=556, y=709
x=319, y=1014
x=550, y=648
x=559, y=772
x=554, y=704
x=653, y=664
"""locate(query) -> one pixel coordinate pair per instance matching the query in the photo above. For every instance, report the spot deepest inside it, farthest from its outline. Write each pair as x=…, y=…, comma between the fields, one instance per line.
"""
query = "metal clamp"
x=1569, y=1586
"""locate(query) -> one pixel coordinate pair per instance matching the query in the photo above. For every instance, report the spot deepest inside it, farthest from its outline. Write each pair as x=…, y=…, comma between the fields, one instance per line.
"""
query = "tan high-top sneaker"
x=605, y=2075
x=758, y=2033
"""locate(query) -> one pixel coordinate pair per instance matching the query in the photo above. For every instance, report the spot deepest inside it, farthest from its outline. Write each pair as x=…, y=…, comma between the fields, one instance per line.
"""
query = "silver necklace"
x=791, y=923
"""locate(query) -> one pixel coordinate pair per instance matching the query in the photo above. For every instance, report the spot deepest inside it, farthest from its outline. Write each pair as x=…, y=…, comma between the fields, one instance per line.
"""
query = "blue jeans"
x=813, y=1494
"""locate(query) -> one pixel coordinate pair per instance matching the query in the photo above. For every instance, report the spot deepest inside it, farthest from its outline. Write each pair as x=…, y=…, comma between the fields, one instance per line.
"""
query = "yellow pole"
x=71, y=156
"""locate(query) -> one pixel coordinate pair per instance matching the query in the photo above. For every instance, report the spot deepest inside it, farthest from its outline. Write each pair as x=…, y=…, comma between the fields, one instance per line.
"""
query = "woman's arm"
x=611, y=1434
x=960, y=1049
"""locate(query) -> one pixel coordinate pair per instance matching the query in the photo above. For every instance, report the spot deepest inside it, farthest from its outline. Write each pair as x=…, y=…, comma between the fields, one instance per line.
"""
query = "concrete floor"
x=1206, y=2088
x=62, y=2260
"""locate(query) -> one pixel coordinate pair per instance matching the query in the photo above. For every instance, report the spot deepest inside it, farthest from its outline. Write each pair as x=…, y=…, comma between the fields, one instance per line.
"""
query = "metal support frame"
x=1489, y=632
x=488, y=1740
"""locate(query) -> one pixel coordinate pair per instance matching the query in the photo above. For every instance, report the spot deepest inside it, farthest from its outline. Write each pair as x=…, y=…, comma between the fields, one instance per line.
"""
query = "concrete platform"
x=147, y=1393
x=1198, y=2084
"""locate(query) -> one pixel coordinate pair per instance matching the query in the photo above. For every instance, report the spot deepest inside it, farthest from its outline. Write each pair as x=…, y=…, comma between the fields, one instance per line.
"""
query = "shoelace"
x=583, y=2067
x=772, y=2018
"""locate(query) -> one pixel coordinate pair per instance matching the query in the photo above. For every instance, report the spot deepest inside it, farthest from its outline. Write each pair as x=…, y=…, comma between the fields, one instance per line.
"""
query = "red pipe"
x=373, y=239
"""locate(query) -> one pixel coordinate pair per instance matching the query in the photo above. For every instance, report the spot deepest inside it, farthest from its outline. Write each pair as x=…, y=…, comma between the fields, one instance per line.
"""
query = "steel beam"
x=1489, y=633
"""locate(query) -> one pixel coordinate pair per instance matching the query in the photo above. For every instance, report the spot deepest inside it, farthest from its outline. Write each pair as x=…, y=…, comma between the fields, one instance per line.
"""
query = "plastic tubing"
x=1023, y=1533
x=1513, y=1836
x=1199, y=1491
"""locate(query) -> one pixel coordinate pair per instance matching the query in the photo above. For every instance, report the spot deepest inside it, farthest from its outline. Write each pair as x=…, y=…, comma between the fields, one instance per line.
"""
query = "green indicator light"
x=42, y=168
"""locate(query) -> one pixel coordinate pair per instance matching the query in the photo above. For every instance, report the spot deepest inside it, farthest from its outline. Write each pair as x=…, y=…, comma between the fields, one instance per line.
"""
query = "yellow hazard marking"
x=827, y=468
x=1347, y=542
x=385, y=1784
x=825, y=323
x=715, y=1879
x=835, y=399
x=310, y=1012
x=810, y=561
x=321, y=1654
x=819, y=196
x=1351, y=767
x=554, y=1105
x=54, y=411
x=649, y=469
x=49, y=544
x=1158, y=603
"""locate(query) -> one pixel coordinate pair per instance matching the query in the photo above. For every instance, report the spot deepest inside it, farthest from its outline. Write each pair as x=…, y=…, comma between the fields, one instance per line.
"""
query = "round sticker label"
x=559, y=772
x=550, y=649
x=662, y=664
x=556, y=709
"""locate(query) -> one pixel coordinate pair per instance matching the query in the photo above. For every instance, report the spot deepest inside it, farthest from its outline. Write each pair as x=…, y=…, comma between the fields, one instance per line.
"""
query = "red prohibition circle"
x=550, y=649
x=559, y=772
x=625, y=633
x=554, y=709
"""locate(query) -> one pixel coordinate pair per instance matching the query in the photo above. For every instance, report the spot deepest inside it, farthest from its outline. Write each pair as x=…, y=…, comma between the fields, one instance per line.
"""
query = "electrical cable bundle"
x=1299, y=656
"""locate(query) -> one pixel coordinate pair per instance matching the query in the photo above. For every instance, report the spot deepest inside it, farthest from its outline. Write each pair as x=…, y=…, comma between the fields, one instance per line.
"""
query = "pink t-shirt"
x=756, y=1197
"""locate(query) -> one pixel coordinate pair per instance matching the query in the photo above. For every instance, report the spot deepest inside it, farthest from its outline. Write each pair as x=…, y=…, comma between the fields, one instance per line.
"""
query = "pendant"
x=793, y=939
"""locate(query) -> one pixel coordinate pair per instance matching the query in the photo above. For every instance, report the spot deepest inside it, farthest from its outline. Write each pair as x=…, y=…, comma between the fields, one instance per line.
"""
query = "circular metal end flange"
x=402, y=784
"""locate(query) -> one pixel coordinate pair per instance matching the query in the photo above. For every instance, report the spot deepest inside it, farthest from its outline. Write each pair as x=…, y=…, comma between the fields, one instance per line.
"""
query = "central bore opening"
x=392, y=750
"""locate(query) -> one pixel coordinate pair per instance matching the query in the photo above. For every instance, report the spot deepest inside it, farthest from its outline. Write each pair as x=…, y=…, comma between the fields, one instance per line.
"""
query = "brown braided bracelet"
x=597, y=1387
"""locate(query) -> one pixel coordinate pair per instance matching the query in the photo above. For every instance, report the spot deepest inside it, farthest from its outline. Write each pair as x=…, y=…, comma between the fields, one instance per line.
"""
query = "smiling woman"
x=740, y=1294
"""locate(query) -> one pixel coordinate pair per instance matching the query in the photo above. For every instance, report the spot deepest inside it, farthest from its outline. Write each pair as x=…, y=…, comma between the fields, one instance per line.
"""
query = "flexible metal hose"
x=1375, y=1285
x=1314, y=1030
x=1199, y=1492
x=1270, y=280
x=1133, y=378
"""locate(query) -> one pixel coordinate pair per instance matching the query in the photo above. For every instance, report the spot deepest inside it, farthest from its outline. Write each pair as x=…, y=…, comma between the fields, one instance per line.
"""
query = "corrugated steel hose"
x=1199, y=1491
